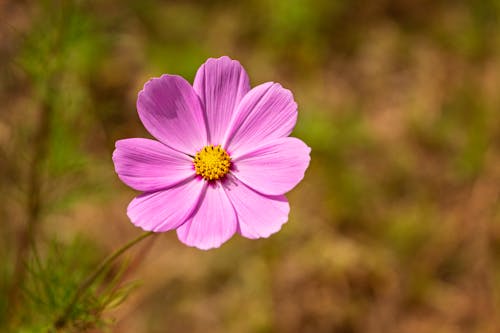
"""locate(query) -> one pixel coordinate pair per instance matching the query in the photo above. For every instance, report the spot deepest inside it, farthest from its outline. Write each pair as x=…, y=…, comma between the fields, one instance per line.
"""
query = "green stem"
x=63, y=318
x=34, y=201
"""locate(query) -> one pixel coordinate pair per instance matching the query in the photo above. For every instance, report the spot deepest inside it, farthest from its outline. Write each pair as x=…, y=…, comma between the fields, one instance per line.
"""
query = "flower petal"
x=221, y=84
x=171, y=111
x=213, y=223
x=167, y=209
x=275, y=167
x=267, y=112
x=148, y=165
x=258, y=215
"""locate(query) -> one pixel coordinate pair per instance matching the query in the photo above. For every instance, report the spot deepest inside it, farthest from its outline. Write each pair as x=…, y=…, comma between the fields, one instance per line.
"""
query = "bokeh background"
x=395, y=227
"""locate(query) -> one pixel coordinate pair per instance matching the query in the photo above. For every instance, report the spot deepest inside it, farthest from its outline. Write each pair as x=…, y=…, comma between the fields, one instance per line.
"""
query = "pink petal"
x=213, y=223
x=258, y=215
x=167, y=209
x=148, y=165
x=221, y=84
x=171, y=111
x=275, y=167
x=267, y=112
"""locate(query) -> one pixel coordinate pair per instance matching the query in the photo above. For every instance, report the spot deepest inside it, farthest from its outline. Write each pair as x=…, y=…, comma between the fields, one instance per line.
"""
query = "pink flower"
x=223, y=159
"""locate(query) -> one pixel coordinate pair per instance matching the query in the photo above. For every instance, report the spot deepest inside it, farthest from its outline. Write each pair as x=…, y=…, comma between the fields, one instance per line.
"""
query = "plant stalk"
x=62, y=320
x=33, y=203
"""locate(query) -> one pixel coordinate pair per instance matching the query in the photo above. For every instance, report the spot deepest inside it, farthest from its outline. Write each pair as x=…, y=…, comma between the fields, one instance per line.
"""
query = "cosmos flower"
x=223, y=159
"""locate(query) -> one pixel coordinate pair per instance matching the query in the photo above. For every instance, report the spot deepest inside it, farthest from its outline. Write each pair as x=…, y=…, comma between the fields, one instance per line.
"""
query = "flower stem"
x=62, y=320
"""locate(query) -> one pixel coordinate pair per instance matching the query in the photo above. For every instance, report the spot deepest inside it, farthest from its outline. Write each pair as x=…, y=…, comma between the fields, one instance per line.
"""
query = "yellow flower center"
x=212, y=162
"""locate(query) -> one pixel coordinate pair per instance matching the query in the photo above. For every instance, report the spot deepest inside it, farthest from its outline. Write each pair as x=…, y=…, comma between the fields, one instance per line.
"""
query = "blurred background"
x=395, y=227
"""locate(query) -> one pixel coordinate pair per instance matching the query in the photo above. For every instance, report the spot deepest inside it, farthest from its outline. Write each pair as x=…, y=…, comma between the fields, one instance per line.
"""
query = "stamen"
x=212, y=162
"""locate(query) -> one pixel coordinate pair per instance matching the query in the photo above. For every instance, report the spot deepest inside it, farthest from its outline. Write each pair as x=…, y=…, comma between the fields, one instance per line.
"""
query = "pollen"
x=212, y=162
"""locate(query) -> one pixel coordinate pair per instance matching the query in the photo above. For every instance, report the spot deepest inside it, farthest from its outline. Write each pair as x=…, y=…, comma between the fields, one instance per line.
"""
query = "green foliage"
x=53, y=278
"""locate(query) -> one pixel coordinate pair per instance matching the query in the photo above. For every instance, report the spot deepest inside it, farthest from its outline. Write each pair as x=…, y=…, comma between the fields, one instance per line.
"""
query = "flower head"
x=223, y=159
